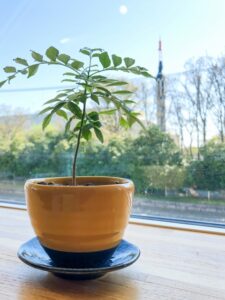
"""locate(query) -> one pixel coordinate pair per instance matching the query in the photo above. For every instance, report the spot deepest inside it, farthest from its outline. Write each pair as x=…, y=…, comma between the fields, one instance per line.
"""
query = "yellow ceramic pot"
x=79, y=219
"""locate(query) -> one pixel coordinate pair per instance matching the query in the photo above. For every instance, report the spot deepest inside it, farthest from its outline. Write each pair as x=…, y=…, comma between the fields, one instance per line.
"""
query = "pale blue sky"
x=187, y=27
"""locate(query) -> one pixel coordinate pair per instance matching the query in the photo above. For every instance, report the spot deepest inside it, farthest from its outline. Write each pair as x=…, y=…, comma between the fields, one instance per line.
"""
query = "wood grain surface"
x=173, y=265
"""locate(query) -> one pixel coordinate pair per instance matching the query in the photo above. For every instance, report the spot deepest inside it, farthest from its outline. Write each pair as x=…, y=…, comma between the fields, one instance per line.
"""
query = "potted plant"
x=77, y=218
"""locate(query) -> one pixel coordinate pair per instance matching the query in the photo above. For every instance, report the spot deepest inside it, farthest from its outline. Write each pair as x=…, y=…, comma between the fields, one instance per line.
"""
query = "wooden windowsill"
x=174, y=264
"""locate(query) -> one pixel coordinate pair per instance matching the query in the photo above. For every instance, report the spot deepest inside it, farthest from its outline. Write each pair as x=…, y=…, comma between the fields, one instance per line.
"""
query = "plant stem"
x=74, y=181
x=78, y=142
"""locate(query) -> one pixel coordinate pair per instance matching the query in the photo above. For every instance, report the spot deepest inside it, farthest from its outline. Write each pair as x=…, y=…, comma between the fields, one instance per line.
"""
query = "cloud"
x=123, y=9
x=65, y=40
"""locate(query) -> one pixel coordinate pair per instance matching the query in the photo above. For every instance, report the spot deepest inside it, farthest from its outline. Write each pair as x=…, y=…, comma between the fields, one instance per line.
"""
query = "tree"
x=12, y=124
x=217, y=77
x=209, y=172
x=165, y=177
x=154, y=147
x=178, y=107
x=26, y=155
x=198, y=89
x=145, y=103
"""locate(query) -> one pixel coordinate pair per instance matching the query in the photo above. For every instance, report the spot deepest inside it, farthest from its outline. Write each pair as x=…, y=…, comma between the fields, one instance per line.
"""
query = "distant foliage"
x=154, y=147
x=152, y=160
x=34, y=155
x=208, y=172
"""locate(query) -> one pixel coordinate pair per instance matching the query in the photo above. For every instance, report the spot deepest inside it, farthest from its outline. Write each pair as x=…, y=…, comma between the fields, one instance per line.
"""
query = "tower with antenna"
x=160, y=93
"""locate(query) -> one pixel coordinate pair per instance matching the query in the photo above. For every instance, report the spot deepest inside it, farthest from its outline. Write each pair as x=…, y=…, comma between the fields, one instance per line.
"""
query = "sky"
x=128, y=28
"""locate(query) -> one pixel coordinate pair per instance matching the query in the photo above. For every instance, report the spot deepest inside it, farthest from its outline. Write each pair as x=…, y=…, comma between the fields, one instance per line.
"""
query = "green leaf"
x=125, y=108
x=52, y=53
x=117, y=60
x=135, y=70
x=104, y=59
x=103, y=89
x=97, y=49
x=62, y=113
x=135, y=113
x=117, y=83
x=68, y=80
x=69, y=74
x=86, y=133
x=60, y=95
x=98, y=77
x=139, y=122
x=76, y=64
x=75, y=109
x=129, y=61
x=116, y=102
x=93, y=115
x=99, y=134
x=52, y=100
x=124, y=123
x=146, y=74
x=9, y=69
x=131, y=120
x=142, y=68
x=45, y=110
x=36, y=56
x=97, y=124
x=32, y=70
x=74, y=97
x=96, y=54
x=85, y=51
x=129, y=101
x=46, y=121
x=122, y=92
x=104, y=81
x=21, y=61
x=124, y=69
x=64, y=58
x=11, y=77
x=66, y=90
x=58, y=106
x=2, y=83
x=95, y=98
x=108, y=112
x=77, y=127
x=68, y=124
x=100, y=94
x=24, y=71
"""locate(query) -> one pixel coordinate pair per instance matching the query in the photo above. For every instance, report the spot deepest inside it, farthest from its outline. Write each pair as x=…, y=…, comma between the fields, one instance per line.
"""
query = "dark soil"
x=84, y=184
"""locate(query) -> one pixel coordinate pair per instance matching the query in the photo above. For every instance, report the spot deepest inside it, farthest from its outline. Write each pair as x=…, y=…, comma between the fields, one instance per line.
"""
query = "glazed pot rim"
x=123, y=182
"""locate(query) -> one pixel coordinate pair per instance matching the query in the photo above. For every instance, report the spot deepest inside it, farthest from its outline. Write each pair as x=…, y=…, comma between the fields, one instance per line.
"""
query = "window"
x=177, y=163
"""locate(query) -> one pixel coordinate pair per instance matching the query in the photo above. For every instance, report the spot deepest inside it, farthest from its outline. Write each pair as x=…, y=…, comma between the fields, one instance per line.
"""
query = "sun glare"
x=123, y=9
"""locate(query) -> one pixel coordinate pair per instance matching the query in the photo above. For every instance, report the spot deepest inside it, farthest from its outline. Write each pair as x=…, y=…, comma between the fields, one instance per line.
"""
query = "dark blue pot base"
x=78, y=266
x=79, y=260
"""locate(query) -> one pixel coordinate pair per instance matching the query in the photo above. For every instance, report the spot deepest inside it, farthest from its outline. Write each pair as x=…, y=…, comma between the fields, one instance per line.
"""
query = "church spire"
x=160, y=67
x=160, y=92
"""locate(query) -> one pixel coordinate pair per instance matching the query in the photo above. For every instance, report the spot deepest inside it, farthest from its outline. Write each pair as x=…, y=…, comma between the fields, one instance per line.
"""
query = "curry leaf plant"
x=89, y=83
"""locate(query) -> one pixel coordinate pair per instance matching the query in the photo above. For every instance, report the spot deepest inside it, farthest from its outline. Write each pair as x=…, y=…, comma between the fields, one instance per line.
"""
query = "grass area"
x=180, y=199
x=11, y=185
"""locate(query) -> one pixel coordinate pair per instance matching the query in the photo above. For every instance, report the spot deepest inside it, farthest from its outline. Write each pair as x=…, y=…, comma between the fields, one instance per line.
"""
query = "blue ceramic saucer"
x=33, y=254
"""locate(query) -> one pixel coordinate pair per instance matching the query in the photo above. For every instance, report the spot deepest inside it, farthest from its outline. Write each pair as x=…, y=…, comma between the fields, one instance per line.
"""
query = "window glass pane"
x=177, y=162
